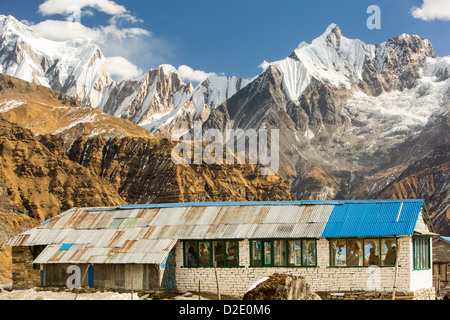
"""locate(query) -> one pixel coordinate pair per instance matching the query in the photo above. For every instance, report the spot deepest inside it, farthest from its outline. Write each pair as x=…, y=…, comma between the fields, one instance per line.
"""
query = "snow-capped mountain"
x=345, y=110
x=77, y=67
x=161, y=101
x=197, y=105
x=156, y=93
x=342, y=62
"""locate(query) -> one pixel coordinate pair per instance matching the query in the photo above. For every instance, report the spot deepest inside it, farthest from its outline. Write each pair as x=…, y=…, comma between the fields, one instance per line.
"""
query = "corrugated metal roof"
x=142, y=251
x=445, y=238
x=373, y=219
x=146, y=233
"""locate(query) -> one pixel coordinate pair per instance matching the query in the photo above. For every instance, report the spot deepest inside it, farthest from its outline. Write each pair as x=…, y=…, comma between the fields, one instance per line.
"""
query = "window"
x=256, y=253
x=354, y=253
x=372, y=252
x=219, y=253
x=363, y=252
x=283, y=253
x=421, y=253
x=440, y=269
x=388, y=252
x=35, y=252
x=206, y=253
x=309, y=252
x=295, y=253
x=190, y=254
x=338, y=253
x=267, y=252
x=279, y=252
x=232, y=253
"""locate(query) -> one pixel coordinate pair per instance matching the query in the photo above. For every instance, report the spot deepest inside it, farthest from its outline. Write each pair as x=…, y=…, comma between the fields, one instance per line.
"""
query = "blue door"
x=169, y=272
x=91, y=275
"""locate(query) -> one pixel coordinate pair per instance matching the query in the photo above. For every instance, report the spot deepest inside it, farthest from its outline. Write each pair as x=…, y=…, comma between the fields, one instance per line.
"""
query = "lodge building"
x=340, y=247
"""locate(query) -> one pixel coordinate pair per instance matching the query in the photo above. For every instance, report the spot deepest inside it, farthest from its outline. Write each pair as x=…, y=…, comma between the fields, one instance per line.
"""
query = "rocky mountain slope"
x=354, y=119
x=37, y=178
x=339, y=103
x=142, y=170
x=47, y=111
x=157, y=92
x=129, y=157
x=424, y=175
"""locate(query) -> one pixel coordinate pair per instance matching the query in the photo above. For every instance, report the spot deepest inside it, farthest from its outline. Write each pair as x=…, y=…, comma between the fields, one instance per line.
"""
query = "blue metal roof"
x=445, y=239
x=377, y=218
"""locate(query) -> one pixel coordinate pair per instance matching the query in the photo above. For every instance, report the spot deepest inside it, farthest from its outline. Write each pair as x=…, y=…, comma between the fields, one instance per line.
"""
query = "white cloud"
x=264, y=65
x=26, y=22
x=121, y=69
x=188, y=74
x=66, y=7
x=432, y=10
x=65, y=30
x=58, y=30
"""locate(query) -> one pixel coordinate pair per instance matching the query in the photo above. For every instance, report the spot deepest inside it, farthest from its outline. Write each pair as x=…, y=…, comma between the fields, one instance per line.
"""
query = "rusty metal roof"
x=146, y=233
x=131, y=251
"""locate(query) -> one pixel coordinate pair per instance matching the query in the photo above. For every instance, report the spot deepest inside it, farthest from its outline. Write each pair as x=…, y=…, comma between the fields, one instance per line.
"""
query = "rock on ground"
x=281, y=287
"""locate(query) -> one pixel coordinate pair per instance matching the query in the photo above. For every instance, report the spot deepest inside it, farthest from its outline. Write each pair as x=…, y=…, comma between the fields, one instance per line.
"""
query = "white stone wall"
x=420, y=279
x=421, y=225
x=236, y=281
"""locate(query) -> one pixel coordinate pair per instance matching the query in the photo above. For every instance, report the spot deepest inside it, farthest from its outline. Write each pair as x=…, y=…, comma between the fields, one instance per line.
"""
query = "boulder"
x=281, y=287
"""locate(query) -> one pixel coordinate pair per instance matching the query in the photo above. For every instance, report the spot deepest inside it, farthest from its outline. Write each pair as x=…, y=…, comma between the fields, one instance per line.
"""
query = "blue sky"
x=223, y=37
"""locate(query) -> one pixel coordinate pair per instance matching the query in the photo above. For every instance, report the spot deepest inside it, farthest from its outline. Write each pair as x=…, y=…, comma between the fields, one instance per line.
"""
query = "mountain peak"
x=167, y=68
x=333, y=28
x=76, y=66
x=332, y=36
x=9, y=24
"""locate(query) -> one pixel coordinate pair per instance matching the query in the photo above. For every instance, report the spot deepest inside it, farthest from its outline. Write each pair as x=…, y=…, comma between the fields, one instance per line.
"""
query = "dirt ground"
x=59, y=293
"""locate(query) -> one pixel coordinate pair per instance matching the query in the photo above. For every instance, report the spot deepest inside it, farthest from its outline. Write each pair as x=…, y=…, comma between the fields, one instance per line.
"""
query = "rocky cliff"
x=38, y=181
x=142, y=170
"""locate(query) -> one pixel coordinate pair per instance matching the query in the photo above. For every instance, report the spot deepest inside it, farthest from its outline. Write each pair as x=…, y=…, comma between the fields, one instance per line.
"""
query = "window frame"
x=211, y=254
x=424, y=257
x=380, y=265
x=272, y=254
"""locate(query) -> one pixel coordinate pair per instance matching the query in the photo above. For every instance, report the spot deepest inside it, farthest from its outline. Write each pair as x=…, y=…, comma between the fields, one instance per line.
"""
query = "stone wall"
x=441, y=250
x=235, y=281
x=423, y=294
x=441, y=254
x=24, y=276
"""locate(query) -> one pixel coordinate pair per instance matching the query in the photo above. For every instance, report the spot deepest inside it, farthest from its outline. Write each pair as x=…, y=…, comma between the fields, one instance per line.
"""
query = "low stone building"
x=344, y=249
x=441, y=264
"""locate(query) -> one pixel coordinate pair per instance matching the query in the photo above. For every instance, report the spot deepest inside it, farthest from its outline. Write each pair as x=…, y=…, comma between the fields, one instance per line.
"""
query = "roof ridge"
x=250, y=203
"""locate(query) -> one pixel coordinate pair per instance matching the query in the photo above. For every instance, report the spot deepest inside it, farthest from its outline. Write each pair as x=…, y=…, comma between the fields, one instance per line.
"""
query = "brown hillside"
x=46, y=111
x=38, y=181
x=142, y=170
